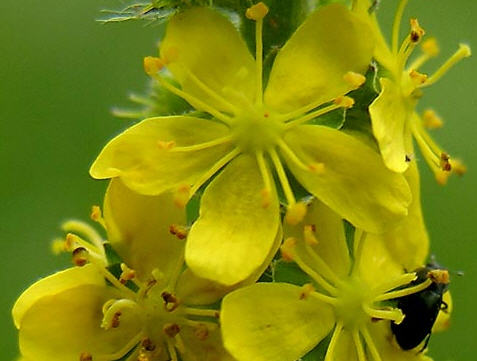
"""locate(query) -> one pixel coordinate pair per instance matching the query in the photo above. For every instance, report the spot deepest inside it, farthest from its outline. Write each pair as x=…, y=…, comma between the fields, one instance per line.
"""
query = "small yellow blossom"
x=151, y=309
x=394, y=117
x=349, y=299
x=256, y=131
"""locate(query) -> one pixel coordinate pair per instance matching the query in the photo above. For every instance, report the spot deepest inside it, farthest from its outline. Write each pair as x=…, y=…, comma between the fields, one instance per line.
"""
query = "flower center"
x=352, y=297
x=256, y=130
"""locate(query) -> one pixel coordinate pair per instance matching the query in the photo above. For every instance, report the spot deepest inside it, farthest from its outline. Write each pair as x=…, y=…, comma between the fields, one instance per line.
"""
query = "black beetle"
x=421, y=309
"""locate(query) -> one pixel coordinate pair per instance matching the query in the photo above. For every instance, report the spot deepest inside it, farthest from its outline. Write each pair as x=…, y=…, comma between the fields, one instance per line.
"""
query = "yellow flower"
x=349, y=299
x=150, y=309
x=254, y=131
x=393, y=114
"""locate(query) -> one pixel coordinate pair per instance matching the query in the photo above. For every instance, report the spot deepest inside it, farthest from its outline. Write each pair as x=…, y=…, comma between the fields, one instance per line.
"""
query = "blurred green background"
x=60, y=74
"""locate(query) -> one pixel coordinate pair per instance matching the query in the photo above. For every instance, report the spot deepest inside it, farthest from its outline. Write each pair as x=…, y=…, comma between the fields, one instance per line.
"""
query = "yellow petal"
x=209, y=349
x=269, y=321
x=408, y=243
x=444, y=317
x=377, y=265
x=61, y=325
x=327, y=228
x=345, y=348
x=353, y=180
x=382, y=53
x=54, y=284
x=138, y=229
x=205, y=44
x=389, y=117
x=312, y=64
x=138, y=156
x=194, y=290
x=233, y=226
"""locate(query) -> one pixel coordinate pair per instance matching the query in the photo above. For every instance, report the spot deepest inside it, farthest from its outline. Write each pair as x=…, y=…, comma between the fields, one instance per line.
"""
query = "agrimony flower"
x=148, y=308
x=348, y=299
x=394, y=117
x=250, y=132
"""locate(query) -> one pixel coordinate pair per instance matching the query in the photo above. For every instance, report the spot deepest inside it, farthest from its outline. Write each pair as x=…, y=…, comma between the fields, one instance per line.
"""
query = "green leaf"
x=289, y=272
x=192, y=208
x=111, y=255
x=357, y=119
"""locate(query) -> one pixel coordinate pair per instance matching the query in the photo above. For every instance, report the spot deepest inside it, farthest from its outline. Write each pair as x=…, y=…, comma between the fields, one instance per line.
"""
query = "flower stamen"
x=324, y=269
x=172, y=350
x=404, y=292
x=229, y=107
x=370, y=343
x=397, y=25
x=334, y=341
x=201, y=146
x=267, y=183
x=214, y=169
x=198, y=104
x=315, y=114
x=97, y=216
x=359, y=345
x=114, y=309
x=289, y=251
x=394, y=314
x=257, y=12
x=395, y=283
x=87, y=231
x=291, y=155
x=202, y=312
x=463, y=52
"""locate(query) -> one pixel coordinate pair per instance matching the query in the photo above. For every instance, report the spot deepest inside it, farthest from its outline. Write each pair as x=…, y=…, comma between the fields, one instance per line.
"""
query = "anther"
x=70, y=241
x=257, y=11
x=127, y=274
x=171, y=329
x=441, y=177
x=417, y=78
x=439, y=276
x=86, y=356
x=80, y=256
x=143, y=356
x=181, y=196
x=344, y=101
x=308, y=234
x=115, y=320
x=96, y=213
x=445, y=162
x=416, y=31
x=166, y=145
x=170, y=301
x=296, y=213
x=58, y=246
x=152, y=65
x=266, y=197
x=354, y=79
x=458, y=167
x=464, y=51
x=431, y=120
x=306, y=290
x=148, y=345
x=287, y=249
x=318, y=168
x=201, y=332
x=178, y=231
x=430, y=47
